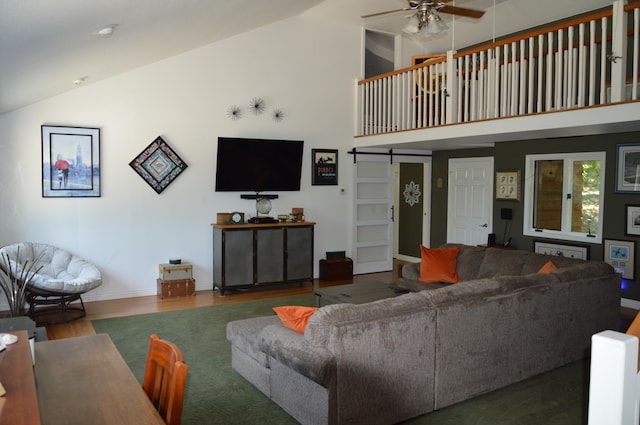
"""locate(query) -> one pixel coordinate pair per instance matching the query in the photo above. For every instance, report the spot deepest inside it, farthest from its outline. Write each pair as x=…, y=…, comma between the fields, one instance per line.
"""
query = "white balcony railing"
x=589, y=61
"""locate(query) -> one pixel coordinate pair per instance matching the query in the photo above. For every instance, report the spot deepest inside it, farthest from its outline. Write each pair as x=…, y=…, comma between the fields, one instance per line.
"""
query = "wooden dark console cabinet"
x=247, y=255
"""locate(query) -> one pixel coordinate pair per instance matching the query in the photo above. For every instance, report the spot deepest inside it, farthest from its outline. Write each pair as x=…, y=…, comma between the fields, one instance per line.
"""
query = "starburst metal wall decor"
x=234, y=112
x=278, y=115
x=257, y=106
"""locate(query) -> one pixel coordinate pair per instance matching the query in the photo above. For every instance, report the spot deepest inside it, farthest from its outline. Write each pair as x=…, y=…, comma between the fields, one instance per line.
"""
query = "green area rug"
x=216, y=394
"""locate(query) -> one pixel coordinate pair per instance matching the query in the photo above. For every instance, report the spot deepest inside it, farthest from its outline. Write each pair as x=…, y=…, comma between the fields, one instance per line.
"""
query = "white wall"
x=303, y=66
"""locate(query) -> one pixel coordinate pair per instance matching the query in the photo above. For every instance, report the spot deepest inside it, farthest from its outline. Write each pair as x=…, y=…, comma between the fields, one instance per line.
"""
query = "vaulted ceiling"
x=48, y=47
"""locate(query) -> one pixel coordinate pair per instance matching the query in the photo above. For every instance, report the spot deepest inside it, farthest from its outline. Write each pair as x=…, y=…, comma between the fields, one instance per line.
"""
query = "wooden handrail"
x=539, y=31
x=403, y=70
x=605, y=13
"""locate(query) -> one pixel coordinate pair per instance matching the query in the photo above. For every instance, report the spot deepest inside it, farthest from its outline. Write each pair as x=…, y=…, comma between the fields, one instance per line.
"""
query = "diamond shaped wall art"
x=158, y=165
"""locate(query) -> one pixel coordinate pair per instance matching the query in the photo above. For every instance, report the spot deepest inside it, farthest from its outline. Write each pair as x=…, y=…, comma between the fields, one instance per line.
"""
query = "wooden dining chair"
x=164, y=380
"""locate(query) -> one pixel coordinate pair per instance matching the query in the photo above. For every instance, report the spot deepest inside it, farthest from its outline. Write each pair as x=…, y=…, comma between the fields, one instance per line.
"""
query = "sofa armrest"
x=293, y=350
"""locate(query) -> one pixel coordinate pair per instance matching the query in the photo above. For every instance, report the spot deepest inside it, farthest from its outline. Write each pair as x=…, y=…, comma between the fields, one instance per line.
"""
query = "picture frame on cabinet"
x=324, y=167
x=70, y=162
x=621, y=256
x=628, y=168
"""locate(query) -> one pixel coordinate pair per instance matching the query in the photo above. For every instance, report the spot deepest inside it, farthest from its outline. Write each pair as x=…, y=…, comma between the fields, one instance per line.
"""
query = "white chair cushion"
x=61, y=272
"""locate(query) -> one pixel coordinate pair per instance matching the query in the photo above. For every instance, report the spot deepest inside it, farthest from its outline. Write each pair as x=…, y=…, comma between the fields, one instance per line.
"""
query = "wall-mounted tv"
x=258, y=165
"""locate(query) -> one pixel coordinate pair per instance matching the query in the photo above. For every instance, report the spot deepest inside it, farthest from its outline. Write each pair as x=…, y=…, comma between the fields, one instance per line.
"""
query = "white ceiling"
x=45, y=45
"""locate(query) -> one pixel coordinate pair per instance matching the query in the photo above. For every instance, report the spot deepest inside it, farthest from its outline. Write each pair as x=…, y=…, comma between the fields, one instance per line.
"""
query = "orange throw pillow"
x=295, y=317
x=547, y=268
x=439, y=265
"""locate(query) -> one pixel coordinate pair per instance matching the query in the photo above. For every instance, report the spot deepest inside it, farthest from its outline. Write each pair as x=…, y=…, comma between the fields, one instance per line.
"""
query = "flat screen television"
x=258, y=165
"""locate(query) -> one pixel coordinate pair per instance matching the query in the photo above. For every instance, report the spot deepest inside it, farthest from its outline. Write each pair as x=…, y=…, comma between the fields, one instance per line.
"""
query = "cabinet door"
x=299, y=253
x=237, y=253
x=270, y=255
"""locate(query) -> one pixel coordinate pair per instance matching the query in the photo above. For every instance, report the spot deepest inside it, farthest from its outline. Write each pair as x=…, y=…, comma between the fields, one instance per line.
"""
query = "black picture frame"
x=627, y=168
x=324, y=167
x=70, y=162
x=158, y=165
x=632, y=220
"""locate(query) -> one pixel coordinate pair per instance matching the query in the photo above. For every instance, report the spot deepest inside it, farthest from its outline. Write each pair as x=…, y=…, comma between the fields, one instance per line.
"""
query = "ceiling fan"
x=426, y=20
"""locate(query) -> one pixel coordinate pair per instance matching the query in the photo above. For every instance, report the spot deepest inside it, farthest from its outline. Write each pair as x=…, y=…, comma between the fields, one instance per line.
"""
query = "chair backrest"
x=164, y=380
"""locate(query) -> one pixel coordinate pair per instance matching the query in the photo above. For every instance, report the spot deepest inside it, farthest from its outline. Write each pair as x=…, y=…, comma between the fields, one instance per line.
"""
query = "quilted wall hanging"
x=158, y=165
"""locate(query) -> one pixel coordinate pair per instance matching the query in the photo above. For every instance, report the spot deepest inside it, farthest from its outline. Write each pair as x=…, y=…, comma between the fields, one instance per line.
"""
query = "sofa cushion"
x=293, y=350
x=439, y=265
x=501, y=262
x=471, y=289
x=295, y=317
x=469, y=260
x=328, y=318
x=534, y=262
x=243, y=334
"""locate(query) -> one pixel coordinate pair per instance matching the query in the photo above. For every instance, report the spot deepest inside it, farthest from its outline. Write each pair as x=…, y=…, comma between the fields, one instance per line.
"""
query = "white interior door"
x=373, y=229
x=470, y=200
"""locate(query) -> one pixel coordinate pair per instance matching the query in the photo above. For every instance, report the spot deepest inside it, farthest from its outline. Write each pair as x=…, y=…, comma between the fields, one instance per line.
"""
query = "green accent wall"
x=510, y=156
x=410, y=217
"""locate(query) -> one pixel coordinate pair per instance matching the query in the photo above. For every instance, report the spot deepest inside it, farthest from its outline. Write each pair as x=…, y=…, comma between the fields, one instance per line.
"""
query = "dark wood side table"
x=341, y=269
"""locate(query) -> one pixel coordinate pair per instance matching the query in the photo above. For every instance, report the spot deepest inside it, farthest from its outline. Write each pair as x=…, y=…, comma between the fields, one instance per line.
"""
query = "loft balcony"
x=574, y=78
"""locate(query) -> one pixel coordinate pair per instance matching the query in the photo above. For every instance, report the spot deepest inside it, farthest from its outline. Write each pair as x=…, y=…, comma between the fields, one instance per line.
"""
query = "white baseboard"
x=625, y=302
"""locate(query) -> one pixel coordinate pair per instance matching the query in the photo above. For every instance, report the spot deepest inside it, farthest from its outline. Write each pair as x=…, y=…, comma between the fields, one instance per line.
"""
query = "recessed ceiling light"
x=106, y=31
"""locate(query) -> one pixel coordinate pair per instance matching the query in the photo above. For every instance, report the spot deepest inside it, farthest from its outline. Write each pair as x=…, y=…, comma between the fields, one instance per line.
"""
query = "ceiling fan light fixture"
x=412, y=26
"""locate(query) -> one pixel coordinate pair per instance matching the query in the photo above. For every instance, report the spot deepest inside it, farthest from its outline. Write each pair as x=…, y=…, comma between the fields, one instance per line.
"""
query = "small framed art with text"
x=70, y=162
x=324, y=167
x=158, y=165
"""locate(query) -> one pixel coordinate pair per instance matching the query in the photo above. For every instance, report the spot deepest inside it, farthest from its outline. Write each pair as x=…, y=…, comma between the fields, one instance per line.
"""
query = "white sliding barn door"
x=373, y=201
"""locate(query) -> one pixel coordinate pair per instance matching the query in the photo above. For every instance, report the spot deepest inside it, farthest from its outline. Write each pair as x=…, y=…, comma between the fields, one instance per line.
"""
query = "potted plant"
x=14, y=279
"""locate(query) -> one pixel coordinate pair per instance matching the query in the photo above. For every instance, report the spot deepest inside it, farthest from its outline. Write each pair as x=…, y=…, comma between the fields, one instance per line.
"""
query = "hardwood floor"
x=152, y=304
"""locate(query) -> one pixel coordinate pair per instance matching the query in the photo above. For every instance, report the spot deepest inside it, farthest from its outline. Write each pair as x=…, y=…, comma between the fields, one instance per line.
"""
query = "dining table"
x=85, y=380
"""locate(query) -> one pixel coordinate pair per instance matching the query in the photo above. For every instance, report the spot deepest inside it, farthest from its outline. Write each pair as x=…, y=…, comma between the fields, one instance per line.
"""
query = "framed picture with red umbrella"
x=70, y=162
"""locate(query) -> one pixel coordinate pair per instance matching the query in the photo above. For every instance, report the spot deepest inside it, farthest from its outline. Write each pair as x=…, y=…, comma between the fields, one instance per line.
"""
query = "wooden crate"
x=176, y=288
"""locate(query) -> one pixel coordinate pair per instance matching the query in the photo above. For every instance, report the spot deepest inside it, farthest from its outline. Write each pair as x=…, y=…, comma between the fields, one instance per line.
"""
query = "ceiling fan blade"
x=384, y=13
x=462, y=11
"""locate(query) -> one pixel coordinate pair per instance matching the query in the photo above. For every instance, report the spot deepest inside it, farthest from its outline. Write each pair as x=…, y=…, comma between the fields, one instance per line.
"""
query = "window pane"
x=548, y=195
x=585, y=208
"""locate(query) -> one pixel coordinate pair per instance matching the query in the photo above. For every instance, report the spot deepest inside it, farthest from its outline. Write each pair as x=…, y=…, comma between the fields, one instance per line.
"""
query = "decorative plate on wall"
x=158, y=165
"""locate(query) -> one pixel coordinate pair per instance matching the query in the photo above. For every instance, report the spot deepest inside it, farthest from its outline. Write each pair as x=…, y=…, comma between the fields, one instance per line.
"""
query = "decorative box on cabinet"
x=248, y=255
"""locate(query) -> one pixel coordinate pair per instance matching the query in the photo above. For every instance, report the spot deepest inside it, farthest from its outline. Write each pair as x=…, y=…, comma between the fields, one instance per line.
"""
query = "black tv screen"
x=258, y=165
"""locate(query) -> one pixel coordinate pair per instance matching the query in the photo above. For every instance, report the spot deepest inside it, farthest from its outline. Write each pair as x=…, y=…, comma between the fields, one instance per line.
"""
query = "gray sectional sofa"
x=397, y=358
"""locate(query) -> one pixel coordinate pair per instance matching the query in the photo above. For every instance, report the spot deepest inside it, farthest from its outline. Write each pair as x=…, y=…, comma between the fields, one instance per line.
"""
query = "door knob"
x=484, y=225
